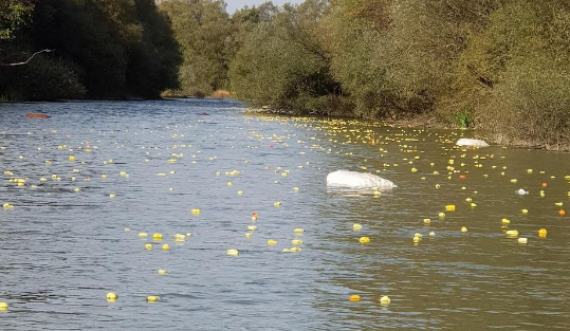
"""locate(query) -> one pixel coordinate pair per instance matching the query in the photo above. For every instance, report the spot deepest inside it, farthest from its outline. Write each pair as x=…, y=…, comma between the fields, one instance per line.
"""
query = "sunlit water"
x=62, y=251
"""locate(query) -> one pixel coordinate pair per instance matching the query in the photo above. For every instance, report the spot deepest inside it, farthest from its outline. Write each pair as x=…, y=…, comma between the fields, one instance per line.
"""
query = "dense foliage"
x=501, y=65
x=102, y=48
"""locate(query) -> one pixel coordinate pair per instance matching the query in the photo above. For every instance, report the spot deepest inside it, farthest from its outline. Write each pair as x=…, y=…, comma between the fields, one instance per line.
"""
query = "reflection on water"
x=64, y=244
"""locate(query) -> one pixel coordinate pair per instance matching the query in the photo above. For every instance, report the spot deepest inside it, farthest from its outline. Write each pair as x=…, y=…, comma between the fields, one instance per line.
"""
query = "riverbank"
x=429, y=121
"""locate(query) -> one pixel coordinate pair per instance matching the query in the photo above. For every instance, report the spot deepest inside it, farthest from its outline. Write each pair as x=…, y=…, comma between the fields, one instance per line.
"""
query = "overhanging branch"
x=28, y=60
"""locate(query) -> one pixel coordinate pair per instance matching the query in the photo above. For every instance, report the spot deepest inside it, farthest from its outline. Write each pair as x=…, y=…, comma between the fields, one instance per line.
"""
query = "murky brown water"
x=62, y=251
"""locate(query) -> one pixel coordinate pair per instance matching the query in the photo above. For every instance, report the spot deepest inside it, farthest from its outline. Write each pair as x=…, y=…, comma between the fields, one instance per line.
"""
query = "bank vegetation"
x=498, y=65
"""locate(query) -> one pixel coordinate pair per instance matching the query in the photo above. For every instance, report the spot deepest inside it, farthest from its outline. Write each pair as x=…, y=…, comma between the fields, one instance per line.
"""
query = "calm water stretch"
x=84, y=183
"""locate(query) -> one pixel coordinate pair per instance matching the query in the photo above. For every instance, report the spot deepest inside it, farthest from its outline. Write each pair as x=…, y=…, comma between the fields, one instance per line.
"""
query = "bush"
x=41, y=79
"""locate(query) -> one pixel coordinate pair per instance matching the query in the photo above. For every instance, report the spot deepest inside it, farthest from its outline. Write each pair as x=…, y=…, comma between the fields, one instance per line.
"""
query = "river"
x=85, y=183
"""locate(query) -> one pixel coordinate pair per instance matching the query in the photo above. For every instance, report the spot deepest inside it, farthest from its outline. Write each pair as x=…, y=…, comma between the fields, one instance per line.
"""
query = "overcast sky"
x=237, y=4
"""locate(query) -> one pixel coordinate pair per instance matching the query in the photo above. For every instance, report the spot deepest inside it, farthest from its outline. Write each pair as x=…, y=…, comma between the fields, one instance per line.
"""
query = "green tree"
x=154, y=60
x=119, y=48
x=282, y=63
x=13, y=15
x=204, y=31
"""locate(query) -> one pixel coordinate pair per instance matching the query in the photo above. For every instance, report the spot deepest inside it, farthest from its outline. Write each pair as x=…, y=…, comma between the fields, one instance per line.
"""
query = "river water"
x=72, y=235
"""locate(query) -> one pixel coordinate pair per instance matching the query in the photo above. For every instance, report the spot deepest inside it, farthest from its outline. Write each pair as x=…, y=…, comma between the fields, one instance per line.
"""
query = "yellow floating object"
x=3, y=306
x=7, y=206
x=252, y=228
x=153, y=298
x=427, y=221
x=464, y=229
x=385, y=300
x=294, y=249
x=127, y=229
x=103, y=176
x=450, y=208
x=514, y=181
x=148, y=246
x=542, y=233
x=297, y=242
x=239, y=192
x=437, y=186
x=179, y=237
x=76, y=190
x=271, y=242
x=112, y=296
x=165, y=247
x=473, y=205
x=248, y=235
x=505, y=221
x=299, y=231
x=71, y=158
x=559, y=204
x=524, y=211
x=230, y=184
x=469, y=200
x=364, y=240
x=522, y=240
x=432, y=234
x=196, y=211
x=233, y=252
x=8, y=173
x=354, y=298
x=157, y=236
x=512, y=233
x=417, y=239
x=296, y=189
x=414, y=170
x=356, y=227
x=442, y=215
x=277, y=204
x=143, y=234
x=162, y=272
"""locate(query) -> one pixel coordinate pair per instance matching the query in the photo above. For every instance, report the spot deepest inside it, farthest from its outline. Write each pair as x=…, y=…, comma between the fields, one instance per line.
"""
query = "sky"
x=237, y=4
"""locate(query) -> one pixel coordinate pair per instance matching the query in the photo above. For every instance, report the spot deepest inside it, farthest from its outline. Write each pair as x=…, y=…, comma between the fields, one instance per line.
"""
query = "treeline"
x=98, y=49
x=502, y=65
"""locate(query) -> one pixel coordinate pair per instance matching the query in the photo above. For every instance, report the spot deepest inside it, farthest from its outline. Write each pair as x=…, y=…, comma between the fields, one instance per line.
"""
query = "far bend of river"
x=67, y=242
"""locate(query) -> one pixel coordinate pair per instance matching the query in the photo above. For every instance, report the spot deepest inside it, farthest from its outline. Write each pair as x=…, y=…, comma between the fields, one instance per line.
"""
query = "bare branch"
x=28, y=60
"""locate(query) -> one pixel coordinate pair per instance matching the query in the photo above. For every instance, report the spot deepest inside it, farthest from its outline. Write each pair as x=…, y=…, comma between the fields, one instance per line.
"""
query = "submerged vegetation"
x=500, y=65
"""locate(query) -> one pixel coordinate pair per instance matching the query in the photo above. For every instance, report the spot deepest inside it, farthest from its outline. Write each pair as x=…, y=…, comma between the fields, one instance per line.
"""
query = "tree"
x=13, y=15
x=282, y=64
x=204, y=32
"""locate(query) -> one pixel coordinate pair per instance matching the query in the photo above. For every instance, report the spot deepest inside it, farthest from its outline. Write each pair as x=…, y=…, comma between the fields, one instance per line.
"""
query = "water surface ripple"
x=64, y=244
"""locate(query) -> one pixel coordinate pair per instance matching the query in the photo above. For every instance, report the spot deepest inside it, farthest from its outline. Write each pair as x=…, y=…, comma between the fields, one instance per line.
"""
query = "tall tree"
x=204, y=31
x=282, y=63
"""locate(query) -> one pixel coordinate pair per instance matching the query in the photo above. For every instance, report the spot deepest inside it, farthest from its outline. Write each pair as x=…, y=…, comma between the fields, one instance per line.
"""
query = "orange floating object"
x=562, y=212
x=37, y=115
x=354, y=298
x=462, y=176
x=544, y=184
